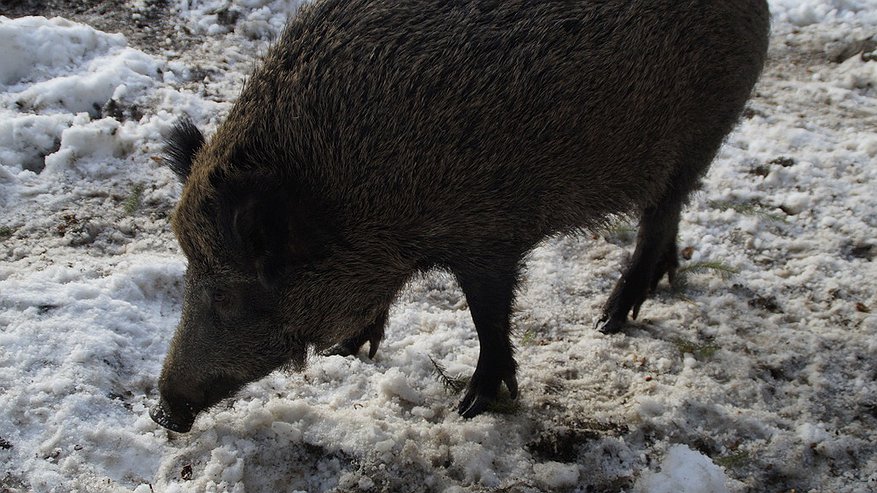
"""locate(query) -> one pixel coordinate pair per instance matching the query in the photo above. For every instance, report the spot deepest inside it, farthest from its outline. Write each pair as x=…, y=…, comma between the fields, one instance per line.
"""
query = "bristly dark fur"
x=180, y=147
x=379, y=139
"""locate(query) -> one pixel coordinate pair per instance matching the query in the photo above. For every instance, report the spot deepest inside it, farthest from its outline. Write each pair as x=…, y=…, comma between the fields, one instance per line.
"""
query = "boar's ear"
x=270, y=229
x=180, y=147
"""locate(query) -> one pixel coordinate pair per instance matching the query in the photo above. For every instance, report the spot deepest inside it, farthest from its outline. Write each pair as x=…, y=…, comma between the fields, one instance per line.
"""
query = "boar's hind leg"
x=372, y=334
x=490, y=300
x=655, y=255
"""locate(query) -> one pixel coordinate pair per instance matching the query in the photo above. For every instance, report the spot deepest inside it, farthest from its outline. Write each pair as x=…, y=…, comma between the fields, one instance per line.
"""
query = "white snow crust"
x=757, y=375
x=684, y=471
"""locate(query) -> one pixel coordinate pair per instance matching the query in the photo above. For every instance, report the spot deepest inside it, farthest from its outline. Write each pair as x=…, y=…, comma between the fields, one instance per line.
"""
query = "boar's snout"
x=180, y=403
x=174, y=416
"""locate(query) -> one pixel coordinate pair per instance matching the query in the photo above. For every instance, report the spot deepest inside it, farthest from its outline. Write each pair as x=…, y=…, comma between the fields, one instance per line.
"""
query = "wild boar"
x=379, y=139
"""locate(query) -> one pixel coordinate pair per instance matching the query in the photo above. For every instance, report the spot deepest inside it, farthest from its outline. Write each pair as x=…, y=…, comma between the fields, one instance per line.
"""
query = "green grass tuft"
x=700, y=351
x=6, y=232
x=133, y=202
x=452, y=384
x=734, y=460
x=528, y=338
x=683, y=275
x=724, y=271
x=622, y=231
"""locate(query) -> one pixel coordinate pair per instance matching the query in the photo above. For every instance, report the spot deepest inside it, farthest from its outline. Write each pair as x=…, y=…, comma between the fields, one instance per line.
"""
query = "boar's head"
x=263, y=283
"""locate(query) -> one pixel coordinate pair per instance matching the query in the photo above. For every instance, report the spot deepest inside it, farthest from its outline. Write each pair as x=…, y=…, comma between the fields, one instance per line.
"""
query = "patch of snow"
x=37, y=49
x=249, y=18
x=806, y=12
x=684, y=471
x=555, y=476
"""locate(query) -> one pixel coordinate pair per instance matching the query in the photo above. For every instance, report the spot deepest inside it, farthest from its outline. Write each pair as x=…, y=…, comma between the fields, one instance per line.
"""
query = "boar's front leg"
x=372, y=334
x=490, y=297
x=655, y=256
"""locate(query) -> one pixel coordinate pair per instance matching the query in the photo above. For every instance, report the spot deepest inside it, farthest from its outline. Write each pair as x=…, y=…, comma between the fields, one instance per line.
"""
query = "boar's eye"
x=219, y=297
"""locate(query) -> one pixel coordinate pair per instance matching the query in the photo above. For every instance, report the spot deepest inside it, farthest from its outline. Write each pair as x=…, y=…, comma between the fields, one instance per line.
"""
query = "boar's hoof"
x=344, y=348
x=634, y=287
x=611, y=325
x=482, y=393
x=350, y=347
x=179, y=420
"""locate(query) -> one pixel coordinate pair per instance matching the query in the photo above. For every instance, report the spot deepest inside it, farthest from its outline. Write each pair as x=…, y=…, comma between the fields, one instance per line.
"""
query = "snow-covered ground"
x=758, y=374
